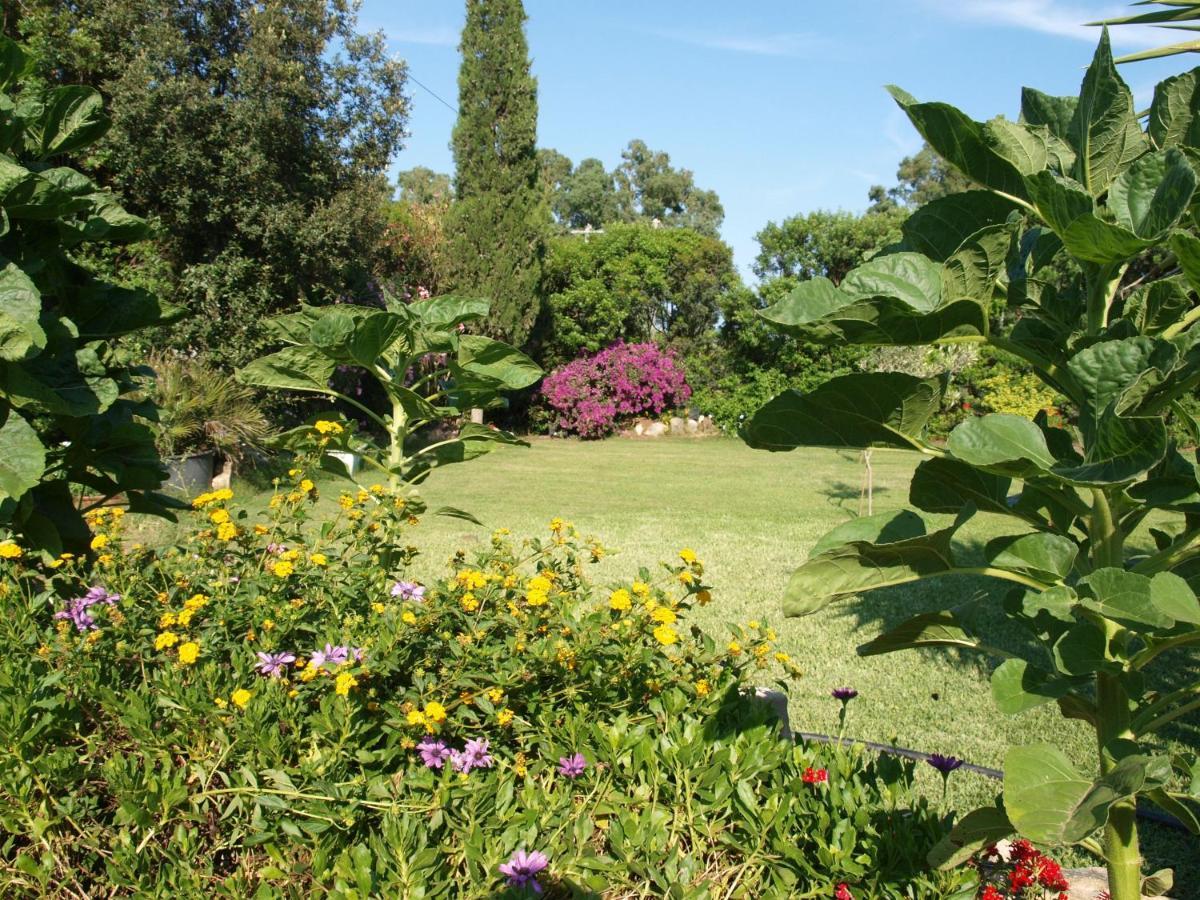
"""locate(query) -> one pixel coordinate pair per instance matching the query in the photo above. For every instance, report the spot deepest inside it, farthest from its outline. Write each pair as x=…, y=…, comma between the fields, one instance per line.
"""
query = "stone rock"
x=221, y=479
x=692, y=426
x=638, y=429
x=655, y=429
x=677, y=425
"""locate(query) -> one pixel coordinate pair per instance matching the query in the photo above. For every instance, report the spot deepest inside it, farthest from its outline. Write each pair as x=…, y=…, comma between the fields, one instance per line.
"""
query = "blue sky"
x=777, y=105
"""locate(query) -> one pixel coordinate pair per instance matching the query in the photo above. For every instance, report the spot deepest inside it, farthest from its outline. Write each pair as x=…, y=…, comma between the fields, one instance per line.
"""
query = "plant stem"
x=398, y=432
x=1121, y=851
x=1103, y=283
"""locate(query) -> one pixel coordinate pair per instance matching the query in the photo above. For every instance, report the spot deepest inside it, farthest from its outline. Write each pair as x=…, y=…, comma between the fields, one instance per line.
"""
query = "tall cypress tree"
x=500, y=217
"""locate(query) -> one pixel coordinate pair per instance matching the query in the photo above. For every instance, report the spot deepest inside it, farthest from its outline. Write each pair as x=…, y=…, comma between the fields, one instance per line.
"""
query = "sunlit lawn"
x=751, y=516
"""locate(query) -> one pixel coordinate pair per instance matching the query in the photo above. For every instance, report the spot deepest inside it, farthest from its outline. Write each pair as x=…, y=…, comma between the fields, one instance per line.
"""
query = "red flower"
x=991, y=893
x=1050, y=875
x=1019, y=879
x=843, y=892
x=812, y=776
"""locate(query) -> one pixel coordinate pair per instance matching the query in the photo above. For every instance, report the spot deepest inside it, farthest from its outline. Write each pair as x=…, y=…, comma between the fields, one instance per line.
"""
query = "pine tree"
x=500, y=217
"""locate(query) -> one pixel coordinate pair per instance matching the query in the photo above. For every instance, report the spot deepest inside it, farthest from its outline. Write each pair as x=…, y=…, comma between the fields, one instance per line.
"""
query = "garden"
x=506, y=544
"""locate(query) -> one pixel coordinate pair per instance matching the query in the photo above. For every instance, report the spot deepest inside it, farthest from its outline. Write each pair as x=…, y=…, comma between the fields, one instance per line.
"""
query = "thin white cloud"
x=783, y=44
x=1064, y=19
x=444, y=36
x=900, y=133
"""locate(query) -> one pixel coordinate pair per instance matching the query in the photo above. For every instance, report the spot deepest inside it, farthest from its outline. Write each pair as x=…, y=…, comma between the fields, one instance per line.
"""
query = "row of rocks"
x=677, y=426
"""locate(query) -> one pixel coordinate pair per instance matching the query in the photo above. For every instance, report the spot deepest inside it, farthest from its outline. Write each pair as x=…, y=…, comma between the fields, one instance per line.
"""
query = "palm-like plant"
x=202, y=409
x=1182, y=15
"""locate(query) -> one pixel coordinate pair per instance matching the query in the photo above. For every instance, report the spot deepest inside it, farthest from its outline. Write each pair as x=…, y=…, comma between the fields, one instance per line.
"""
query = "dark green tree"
x=500, y=217
x=254, y=133
x=920, y=179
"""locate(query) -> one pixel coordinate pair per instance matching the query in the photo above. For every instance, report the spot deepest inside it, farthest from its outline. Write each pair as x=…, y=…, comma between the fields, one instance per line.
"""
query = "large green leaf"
x=862, y=410
x=935, y=629
x=1049, y=802
x=973, y=271
x=1152, y=195
x=1018, y=686
x=13, y=61
x=1083, y=650
x=975, y=831
x=940, y=227
x=448, y=312
x=963, y=143
x=1187, y=250
x=942, y=485
x=1002, y=443
x=883, y=528
x=74, y=118
x=1139, y=602
x=860, y=566
x=1104, y=131
x=22, y=457
x=1121, y=450
x=292, y=368
x=1055, y=113
x=20, y=309
x=911, y=278
x=1070, y=210
x=107, y=311
x=1173, y=119
x=483, y=358
x=1156, y=306
x=1043, y=555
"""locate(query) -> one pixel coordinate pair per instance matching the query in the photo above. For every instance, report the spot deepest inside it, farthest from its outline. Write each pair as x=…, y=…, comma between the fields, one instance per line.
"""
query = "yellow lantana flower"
x=666, y=635
x=687, y=555
x=703, y=689
x=307, y=485
x=734, y=648
x=345, y=681
x=435, y=712
x=283, y=569
x=218, y=516
x=704, y=598
x=226, y=531
x=504, y=717
x=10, y=550
x=416, y=717
x=240, y=698
x=664, y=615
x=408, y=617
x=99, y=541
x=324, y=426
x=188, y=653
x=619, y=600
x=318, y=559
x=166, y=639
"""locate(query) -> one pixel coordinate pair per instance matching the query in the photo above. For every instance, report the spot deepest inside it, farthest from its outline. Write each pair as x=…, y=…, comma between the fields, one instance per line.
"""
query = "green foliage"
x=69, y=422
x=499, y=220
x=311, y=780
x=633, y=283
x=235, y=132
x=732, y=399
x=1078, y=179
x=824, y=244
x=430, y=372
x=921, y=178
x=199, y=409
x=424, y=186
x=1177, y=15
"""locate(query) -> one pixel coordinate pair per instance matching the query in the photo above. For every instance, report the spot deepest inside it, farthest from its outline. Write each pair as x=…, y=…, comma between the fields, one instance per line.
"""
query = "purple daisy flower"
x=77, y=608
x=273, y=664
x=844, y=694
x=944, y=764
x=474, y=755
x=409, y=590
x=572, y=766
x=522, y=868
x=433, y=753
x=331, y=655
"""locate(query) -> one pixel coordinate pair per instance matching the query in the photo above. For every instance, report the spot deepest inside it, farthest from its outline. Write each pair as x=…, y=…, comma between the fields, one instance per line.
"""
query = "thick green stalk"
x=1102, y=283
x=1121, y=851
x=398, y=434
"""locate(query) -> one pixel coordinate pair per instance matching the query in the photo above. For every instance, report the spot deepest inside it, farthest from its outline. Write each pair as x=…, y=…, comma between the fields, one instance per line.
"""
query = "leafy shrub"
x=69, y=421
x=1076, y=179
x=418, y=357
x=593, y=395
x=276, y=704
x=1018, y=394
x=731, y=400
x=200, y=409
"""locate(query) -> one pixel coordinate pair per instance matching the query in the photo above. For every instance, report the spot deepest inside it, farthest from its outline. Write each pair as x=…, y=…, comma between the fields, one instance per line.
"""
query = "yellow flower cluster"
x=10, y=550
x=325, y=427
x=221, y=496
x=537, y=590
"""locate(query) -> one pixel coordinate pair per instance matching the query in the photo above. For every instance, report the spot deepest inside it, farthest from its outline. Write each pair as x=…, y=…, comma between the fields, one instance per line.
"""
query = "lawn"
x=752, y=516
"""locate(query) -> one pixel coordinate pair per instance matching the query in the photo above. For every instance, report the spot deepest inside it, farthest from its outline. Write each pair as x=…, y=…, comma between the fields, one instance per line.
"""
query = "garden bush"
x=593, y=395
x=276, y=706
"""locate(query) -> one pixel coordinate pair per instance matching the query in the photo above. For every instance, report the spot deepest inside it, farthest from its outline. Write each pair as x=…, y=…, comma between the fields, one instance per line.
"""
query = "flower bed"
x=276, y=705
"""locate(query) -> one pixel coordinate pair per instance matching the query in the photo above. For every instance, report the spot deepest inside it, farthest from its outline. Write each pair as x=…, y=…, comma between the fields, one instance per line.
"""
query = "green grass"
x=752, y=516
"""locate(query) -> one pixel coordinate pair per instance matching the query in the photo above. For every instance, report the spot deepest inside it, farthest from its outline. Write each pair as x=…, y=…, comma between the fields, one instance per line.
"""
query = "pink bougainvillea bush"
x=592, y=395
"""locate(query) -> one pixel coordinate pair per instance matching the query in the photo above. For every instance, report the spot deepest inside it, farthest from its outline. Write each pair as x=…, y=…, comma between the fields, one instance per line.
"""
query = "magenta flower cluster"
x=473, y=755
x=593, y=395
